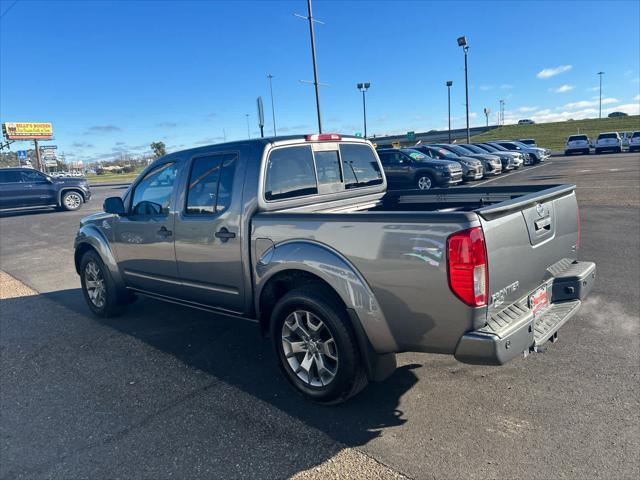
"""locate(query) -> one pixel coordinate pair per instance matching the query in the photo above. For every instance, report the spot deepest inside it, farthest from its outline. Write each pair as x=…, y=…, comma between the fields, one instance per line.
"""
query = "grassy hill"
x=553, y=135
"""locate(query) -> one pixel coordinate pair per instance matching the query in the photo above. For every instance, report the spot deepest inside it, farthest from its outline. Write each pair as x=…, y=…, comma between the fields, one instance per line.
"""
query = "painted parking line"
x=512, y=173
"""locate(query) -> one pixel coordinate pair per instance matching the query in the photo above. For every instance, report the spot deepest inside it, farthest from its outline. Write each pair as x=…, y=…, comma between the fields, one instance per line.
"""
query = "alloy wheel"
x=95, y=285
x=72, y=201
x=309, y=348
x=424, y=183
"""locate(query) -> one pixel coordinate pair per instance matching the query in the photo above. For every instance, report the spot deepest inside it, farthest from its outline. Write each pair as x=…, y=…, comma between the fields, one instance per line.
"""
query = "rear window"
x=290, y=173
x=573, y=138
x=359, y=165
x=608, y=135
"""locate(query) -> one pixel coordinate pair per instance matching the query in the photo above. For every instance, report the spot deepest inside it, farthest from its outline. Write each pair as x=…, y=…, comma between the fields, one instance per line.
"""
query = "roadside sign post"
x=22, y=156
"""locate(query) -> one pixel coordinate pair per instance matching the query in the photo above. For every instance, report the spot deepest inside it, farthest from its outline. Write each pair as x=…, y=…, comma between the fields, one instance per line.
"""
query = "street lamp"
x=363, y=87
x=600, y=110
x=462, y=42
x=449, y=83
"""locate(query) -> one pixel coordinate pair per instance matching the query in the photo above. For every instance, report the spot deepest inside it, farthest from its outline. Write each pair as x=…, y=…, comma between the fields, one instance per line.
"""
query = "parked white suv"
x=577, y=144
x=634, y=142
x=608, y=141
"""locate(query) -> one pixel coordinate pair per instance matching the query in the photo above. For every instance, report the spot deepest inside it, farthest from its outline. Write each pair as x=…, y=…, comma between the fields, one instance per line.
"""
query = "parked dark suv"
x=26, y=187
x=408, y=168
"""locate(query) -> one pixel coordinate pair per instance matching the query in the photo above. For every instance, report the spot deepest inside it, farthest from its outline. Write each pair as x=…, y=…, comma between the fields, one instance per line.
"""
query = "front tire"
x=316, y=346
x=71, y=201
x=98, y=287
x=425, y=182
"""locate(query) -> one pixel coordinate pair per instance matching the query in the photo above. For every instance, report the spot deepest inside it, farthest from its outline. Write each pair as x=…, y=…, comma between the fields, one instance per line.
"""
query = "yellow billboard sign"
x=27, y=131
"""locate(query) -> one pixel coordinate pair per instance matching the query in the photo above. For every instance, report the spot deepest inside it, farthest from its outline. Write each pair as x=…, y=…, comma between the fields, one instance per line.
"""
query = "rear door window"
x=209, y=187
x=10, y=176
x=290, y=173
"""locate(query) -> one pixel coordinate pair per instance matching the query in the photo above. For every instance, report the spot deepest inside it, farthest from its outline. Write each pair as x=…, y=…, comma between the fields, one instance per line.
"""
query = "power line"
x=10, y=7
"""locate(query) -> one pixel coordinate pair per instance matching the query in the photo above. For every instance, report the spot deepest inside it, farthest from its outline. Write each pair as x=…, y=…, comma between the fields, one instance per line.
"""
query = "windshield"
x=456, y=149
x=488, y=148
x=473, y=148
x=499, y=147
x=416, y=155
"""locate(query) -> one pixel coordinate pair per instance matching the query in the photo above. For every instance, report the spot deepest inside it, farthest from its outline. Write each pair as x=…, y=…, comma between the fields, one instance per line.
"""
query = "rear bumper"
x=515, y=331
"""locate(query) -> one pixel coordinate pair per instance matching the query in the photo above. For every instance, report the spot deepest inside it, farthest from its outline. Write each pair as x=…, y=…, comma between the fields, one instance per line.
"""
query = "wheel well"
x=77, y=190
x=282, y=283
x=79, y=253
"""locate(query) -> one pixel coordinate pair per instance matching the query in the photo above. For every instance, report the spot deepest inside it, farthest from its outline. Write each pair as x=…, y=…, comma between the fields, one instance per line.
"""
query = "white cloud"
x=628, y=108
x=590, y=103
x=527, y=109
x=562, y=89
x=552, y=72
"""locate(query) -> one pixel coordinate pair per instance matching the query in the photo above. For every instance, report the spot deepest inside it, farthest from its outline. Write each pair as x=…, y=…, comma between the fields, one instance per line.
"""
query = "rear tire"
x=316, y=345
x=98, y=287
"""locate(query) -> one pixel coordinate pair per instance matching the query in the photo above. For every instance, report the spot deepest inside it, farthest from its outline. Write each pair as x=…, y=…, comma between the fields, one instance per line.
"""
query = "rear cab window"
x=323, y=168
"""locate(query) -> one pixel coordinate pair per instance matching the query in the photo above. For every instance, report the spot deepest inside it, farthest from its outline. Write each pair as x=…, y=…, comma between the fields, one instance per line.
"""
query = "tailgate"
x=526, y=239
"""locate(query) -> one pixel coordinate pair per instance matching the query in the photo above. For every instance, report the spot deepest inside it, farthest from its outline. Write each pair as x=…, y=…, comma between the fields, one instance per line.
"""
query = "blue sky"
x=115, y=76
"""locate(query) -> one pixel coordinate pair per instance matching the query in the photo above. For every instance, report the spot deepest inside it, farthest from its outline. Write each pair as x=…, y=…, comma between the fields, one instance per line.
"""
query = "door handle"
x=224, y=234
x=163, y=232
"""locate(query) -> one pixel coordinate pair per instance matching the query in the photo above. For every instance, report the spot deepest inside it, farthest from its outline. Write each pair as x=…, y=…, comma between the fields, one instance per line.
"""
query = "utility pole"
x=501, y=121
x=248, y=127
x=273, y=110
x=316, y=84
x=38, y=159
x=449, y=83
x=600, y=109
x=487, y=111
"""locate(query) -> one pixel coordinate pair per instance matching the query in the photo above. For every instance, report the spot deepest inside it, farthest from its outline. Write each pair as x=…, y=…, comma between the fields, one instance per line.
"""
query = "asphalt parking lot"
x=168, y=392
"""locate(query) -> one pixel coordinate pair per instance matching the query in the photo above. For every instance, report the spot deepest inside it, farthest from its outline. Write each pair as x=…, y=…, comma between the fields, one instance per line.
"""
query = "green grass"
x=553, y=135
x=111, y=178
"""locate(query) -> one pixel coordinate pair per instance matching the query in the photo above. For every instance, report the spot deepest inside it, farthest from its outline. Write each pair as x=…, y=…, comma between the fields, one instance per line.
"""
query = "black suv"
x=26, y=187
x=408, y=168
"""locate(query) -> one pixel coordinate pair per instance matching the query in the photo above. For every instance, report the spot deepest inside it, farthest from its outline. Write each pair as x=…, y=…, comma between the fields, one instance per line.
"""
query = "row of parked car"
x=443, y=165
x=606, y=142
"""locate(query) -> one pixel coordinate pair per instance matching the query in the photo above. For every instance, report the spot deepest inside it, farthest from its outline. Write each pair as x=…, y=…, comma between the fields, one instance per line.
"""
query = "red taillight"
x=323, y=137
x=467, y=266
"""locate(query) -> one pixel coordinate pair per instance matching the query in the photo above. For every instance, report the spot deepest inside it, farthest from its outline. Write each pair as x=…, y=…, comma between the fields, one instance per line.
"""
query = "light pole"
x=363, y=87
x=487, y=111
x=600, y=109
x=501, y=121
x=449, y=83
x=315, y=67
x=248, y=127
x=273, y=110
x=462, y=42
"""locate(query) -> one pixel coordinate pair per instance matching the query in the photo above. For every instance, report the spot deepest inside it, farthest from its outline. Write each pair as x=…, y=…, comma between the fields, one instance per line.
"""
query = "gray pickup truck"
x=299, y=235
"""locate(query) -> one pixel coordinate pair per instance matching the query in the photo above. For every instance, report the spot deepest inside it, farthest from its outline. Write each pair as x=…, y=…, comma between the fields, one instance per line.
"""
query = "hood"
x=439, y=161
x=474, y=162
x=95, y=218
x=486, y=156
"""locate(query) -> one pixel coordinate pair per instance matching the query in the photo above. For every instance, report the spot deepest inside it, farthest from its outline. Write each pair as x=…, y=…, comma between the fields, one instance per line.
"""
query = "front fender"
x=326, y=263
x=90, y=235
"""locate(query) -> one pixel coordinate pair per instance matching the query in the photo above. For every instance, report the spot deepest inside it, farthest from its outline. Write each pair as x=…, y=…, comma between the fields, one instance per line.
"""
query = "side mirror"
x=113, y=205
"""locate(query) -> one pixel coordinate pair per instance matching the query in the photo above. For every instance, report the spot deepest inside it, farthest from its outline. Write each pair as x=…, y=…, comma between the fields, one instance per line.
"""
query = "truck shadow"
x=233, y=351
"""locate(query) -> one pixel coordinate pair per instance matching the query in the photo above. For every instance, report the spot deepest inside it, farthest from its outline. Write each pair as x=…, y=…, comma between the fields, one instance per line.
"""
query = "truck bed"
x=399, y=247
